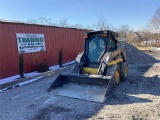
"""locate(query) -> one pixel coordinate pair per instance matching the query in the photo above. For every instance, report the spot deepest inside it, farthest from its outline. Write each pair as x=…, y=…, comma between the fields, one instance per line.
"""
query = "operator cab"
x=96, y=45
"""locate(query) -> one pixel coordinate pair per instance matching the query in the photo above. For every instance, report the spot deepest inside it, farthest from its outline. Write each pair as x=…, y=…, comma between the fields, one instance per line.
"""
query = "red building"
x=70, y=40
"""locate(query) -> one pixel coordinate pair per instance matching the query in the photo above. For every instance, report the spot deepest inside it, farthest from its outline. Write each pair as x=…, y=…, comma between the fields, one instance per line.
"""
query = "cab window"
x=96, y=47
x=112, y=45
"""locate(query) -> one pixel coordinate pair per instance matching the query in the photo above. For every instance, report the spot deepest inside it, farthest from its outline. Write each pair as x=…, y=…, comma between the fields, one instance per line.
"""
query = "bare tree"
x=41, y=21
x=89, y=27
x=155, y=24
x=32, y=21
x=101, y=24
x=123, y=31
x=63, y=22
x=79, y=26
x=146, y=34
x=50, y=22
x=157, y=14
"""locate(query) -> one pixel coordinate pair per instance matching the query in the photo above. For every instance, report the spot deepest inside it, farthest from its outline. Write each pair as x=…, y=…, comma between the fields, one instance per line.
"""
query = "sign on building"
x=30, y=42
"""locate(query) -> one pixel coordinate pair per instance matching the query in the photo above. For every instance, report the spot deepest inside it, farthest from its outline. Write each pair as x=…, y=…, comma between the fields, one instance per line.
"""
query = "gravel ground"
x=138, y=98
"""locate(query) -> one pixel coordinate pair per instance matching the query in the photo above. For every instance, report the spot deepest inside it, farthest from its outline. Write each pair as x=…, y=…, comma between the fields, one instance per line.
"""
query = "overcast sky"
x=135, y=13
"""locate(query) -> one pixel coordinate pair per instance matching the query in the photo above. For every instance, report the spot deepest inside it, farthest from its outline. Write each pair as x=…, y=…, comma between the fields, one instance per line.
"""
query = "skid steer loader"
x=97, y=71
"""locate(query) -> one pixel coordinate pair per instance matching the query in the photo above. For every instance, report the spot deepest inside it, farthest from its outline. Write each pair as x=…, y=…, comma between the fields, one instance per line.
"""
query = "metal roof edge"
x=25, y=23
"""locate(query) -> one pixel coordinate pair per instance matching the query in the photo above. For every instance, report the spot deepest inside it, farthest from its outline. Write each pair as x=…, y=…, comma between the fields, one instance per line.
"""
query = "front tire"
x=113, y=70
x=124, y=71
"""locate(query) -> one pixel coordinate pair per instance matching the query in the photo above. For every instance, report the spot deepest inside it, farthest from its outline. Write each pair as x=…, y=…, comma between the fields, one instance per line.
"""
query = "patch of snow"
x=20, y=84
x=69, y=63
x=31, y=74
x=29, y=81
x=55, y=67
x=48, y=100
x=15, y=77
x=9, y=79
x=158, y=49
x=3, y=90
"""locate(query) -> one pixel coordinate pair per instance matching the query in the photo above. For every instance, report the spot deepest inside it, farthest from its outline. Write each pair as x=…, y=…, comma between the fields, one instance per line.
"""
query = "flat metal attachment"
x=92, y=88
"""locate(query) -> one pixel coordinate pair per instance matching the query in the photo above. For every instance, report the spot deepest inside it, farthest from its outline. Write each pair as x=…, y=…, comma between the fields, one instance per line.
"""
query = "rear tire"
x=113, y=70
x=123, y=71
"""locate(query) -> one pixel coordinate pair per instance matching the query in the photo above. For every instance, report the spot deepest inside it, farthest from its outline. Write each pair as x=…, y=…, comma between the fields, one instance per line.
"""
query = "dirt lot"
x=138, y=98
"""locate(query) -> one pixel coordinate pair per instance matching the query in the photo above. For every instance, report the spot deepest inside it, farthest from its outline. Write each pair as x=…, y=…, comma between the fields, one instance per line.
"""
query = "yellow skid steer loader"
x=98, y=69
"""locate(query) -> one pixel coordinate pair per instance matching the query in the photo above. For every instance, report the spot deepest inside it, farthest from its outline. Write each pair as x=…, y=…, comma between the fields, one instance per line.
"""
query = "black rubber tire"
x=122, y=71
x=111, y=71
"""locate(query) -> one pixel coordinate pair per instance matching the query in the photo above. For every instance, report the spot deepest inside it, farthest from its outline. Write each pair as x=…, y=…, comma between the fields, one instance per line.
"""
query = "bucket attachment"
x=95, y=88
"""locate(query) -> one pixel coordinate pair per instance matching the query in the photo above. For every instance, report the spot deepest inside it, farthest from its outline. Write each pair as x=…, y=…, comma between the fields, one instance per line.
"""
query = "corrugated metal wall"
x=70, y=40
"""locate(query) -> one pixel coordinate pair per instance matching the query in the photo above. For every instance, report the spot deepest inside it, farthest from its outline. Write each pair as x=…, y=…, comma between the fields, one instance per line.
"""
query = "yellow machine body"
x=90, y=70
